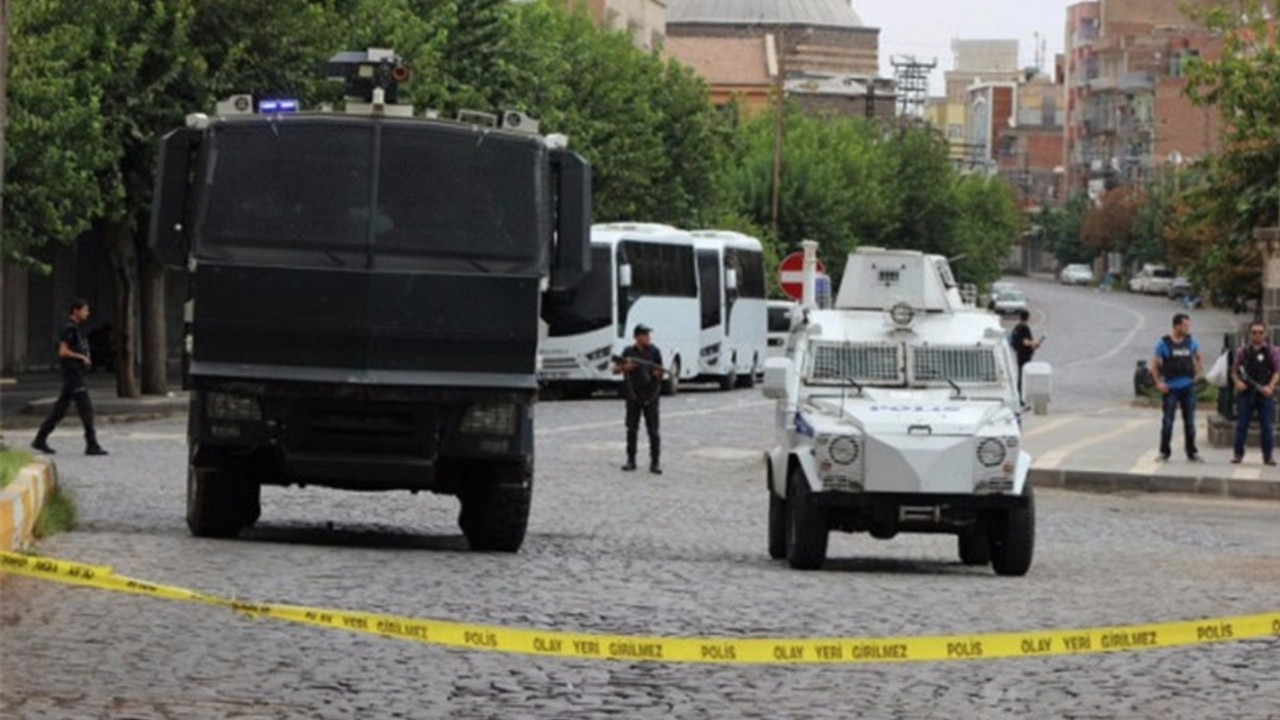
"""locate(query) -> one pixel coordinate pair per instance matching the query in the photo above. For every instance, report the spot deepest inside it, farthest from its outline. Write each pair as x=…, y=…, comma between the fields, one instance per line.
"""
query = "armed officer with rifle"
x=641, y=363
x=1256, y=370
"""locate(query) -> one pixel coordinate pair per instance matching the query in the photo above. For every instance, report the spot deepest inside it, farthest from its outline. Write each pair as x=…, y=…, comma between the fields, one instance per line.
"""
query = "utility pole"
x=780, y=110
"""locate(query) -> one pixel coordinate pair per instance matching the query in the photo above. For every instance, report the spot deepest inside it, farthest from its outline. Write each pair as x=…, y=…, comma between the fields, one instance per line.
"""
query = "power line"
x=912, y=78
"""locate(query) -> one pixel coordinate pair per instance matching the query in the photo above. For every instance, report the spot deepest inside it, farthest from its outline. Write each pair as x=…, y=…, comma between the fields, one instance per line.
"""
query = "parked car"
x=1180, y=288
x=1152, y=280
x=1076, y=274
x=997, y=288
x=1009, y=302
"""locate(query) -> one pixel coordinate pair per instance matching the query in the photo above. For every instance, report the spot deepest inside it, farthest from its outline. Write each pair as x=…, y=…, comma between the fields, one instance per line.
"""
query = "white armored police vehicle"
x=898, y=411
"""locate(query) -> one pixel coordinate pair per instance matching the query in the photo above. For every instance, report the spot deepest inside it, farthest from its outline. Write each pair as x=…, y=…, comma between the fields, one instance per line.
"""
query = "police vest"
x=1257, y=364
x=1181, y=361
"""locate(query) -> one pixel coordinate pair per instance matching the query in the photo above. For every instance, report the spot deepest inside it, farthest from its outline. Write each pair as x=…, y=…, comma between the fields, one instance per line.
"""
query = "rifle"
x=619, y=360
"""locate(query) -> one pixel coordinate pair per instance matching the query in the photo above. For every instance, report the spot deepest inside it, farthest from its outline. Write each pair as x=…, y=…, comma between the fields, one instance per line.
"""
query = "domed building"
x=829, y=58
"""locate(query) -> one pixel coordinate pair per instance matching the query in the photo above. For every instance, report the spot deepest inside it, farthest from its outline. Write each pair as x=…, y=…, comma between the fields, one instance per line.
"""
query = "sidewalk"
x=1116, y=451
x=27, y=398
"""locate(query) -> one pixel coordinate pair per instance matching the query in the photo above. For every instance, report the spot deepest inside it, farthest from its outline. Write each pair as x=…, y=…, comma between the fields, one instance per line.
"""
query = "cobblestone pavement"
x=614, y=552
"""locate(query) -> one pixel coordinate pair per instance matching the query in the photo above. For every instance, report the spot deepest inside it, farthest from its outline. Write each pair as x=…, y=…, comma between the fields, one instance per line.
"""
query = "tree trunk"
x=123, y=256
x=155, y=351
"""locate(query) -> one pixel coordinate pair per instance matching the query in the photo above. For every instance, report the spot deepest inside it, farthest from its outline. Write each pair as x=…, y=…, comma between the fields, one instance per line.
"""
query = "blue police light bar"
x=278, y=106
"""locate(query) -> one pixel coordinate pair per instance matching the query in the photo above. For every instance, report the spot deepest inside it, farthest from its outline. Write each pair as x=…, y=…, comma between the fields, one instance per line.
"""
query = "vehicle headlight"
x=844, y=450
x=489, y=419
x=902, y=314
x=991, y=452
x=224, y=406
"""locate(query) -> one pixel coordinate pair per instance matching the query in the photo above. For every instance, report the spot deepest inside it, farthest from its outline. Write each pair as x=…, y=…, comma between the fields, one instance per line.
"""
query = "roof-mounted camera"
x=369, y=77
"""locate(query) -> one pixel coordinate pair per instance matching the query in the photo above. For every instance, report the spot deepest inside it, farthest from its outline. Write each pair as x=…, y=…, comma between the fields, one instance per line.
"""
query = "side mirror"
x=168, y=236
x=778, y=375
x=624, y=275
x=731, y=279
x=571, y=261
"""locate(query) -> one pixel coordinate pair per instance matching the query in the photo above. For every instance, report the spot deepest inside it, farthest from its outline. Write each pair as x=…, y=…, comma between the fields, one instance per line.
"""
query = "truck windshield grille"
x=862, y=362
x=961, y=363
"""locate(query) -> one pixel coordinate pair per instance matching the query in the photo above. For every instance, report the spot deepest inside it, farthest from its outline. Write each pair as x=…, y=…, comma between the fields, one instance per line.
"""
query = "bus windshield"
x=587, y=307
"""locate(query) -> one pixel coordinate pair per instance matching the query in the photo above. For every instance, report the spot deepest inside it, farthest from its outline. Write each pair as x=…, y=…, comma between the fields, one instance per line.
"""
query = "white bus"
x=641, y=273
x=734, y=314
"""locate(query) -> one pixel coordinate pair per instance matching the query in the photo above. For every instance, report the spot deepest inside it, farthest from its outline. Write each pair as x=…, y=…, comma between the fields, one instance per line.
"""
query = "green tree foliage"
x=848, y=182
x=1241, y=191
x=1059, y=229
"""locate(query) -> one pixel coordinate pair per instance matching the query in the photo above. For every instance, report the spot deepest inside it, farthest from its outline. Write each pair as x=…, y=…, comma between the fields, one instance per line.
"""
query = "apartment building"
x=1128, y=118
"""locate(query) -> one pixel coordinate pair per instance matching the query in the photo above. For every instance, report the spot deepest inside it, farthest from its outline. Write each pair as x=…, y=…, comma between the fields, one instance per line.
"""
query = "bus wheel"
x=671, y=386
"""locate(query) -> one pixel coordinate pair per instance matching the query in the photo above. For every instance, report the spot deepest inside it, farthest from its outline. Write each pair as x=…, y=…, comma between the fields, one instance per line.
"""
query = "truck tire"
x=1013, y=542
x=725, y=382
x=218, y=503
x=777, y=526
x=807, y=530
x=975, y=548
x=495, y=510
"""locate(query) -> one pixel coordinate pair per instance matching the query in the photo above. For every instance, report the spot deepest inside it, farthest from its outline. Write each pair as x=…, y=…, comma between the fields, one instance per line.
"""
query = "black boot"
x=42, y=445
x=631, y=463
x=95, y=449
x=655, y=467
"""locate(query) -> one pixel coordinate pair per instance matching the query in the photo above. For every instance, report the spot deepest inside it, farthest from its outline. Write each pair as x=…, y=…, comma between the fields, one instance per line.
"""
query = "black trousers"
x=650, y=412
x=74, y=389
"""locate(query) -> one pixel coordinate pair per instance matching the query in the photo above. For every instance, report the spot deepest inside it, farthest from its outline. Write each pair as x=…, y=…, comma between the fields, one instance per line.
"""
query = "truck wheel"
x=748, y=380
x=777, y=526
x=219, y=504
x=1013, y=542
x=806, y=527
x=975, y=548
x=495, y=508
x=726, y=381
x=671, y=386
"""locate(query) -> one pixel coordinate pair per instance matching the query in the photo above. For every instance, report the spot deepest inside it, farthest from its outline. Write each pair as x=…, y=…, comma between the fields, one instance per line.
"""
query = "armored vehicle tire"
x=777, y=526
x=220, y=504
x=806, y=527
x=495, y=510
x=975, y=548
x=726, y=381
x=671, y=386
x=1014, y=537
x=748, y=380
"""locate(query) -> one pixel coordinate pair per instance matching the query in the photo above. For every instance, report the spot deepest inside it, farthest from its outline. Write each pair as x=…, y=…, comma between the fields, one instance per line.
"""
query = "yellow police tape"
x=693, y=649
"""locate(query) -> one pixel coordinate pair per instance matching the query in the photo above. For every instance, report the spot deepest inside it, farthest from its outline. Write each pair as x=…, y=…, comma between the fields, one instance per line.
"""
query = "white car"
x=1076, y=274
x=1152, y=280
x=898, y=412
x=1009, y=302
x=780, y=318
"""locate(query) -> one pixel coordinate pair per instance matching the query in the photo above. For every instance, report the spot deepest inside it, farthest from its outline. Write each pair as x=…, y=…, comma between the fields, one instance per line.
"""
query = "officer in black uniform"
x=642, y=365
x=73, y=357
x=1256, y=371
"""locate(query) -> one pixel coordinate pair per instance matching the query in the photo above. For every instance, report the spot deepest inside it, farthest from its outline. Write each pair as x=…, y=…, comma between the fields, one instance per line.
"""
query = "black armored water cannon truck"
x=364, y=296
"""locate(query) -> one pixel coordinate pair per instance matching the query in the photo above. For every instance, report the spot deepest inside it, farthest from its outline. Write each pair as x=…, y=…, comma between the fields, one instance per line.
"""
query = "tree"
x=1060, y=229
x=100, y=83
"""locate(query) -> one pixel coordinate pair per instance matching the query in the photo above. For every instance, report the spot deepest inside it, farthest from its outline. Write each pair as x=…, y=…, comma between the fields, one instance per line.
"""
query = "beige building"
x=644, y=20
x=828, y=57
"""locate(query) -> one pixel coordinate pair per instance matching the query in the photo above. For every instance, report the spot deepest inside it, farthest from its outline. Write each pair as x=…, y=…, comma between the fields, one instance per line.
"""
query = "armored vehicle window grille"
x=863, y=362
x=961, y=363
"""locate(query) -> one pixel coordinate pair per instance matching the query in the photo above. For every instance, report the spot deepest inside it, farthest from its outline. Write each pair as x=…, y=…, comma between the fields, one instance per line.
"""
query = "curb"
x=21, y=502
x=1113, y=482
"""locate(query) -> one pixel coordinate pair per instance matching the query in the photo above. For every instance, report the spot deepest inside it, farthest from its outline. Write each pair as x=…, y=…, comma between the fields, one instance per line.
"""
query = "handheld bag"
x=1220, y=374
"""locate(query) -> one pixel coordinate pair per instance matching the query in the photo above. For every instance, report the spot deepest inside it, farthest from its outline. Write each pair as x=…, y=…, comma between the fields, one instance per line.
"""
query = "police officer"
x=1024, y=345
x=641, y=365
x=1256, y=370
x=1175, y=367
x=73, y=357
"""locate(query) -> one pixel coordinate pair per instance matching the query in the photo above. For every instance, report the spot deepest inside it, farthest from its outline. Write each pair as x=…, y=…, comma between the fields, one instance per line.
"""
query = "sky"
x=925, y=28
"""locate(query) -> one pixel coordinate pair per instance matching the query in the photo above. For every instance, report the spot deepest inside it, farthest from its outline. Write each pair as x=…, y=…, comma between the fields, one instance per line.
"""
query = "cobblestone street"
x=622, y=553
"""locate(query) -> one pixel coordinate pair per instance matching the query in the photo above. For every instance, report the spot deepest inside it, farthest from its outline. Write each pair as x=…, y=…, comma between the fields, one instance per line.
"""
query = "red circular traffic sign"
x=791, y=274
